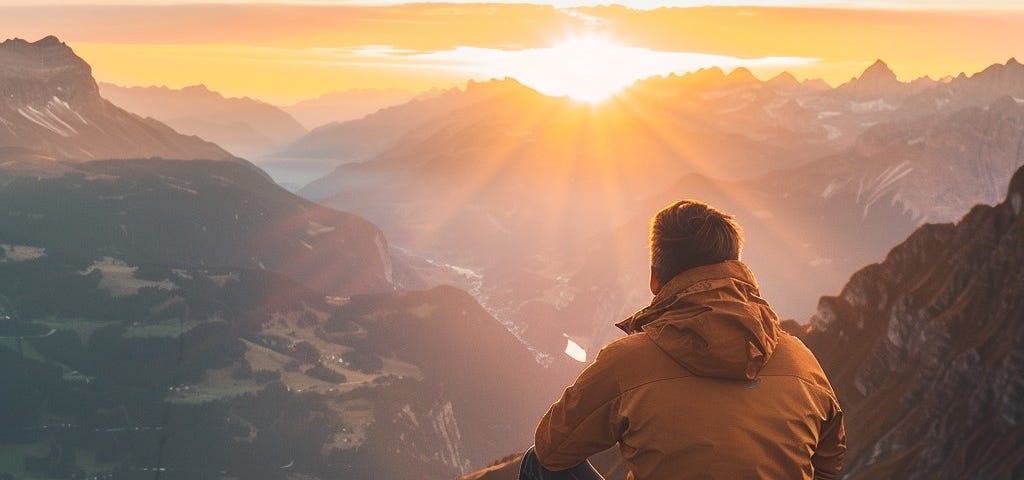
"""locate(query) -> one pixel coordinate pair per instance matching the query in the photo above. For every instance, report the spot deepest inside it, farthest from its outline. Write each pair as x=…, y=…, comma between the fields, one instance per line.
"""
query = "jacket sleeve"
x=828, y=457
x=584, y=421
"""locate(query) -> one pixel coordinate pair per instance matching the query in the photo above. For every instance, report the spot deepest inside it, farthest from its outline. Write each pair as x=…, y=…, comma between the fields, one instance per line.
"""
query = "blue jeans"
x=531, y=469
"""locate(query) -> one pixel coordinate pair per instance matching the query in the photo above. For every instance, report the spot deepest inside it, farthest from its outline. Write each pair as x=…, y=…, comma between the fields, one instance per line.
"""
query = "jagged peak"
x=878, y=70
x=47, y=41
x=201, y=90
x=48, y=51
x=878, y=79
x=199, y=87
x=706, y=72
x=1011, y=67
x=879, y=64
x=702, y=76
x=40, y=58
x=503, y=83
x=506, y=86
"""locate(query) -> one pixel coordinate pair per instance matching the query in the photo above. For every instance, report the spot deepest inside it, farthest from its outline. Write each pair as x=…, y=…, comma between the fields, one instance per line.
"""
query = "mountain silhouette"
x=246, y=127
x=347, y=105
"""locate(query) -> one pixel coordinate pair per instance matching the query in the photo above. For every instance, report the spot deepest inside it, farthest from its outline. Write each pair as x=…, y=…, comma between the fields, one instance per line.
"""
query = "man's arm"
x=584, y=421
x=828, y=457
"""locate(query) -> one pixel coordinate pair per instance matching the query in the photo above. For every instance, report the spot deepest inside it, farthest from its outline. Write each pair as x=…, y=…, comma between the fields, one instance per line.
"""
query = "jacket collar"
x=687, y=282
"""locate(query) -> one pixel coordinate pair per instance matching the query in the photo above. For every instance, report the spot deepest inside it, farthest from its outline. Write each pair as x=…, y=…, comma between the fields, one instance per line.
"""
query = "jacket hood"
x=711, y=320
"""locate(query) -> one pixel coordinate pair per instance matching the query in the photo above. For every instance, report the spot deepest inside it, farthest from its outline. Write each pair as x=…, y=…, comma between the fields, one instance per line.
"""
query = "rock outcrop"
x=926, y=351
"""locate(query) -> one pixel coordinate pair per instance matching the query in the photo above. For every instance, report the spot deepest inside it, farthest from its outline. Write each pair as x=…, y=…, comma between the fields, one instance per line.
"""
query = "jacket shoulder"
x=793, y=358
x=636, y=360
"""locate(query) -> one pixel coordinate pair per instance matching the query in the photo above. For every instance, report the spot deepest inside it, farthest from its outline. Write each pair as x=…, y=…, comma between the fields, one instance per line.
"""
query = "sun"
x=589, y=68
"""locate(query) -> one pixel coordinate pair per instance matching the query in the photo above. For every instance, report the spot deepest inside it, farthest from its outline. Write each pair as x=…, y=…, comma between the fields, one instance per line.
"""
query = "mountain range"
x=246, y=127
x=347, y=105
x=165, y=307
x=52, y=106
x=546, y=200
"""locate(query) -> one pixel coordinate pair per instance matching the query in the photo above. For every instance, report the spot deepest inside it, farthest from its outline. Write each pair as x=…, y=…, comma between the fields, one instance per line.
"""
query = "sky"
x=286, y=52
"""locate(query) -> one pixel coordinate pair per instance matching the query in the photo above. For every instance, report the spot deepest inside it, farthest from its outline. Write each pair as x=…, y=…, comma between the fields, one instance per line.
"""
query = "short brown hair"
x=689, y=234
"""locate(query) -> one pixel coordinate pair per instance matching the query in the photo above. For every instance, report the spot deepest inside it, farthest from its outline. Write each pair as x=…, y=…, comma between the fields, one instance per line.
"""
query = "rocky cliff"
x=926, y=350
x=52, y=105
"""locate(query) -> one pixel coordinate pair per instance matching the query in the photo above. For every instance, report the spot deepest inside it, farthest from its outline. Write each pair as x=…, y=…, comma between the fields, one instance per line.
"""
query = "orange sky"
x=284, y=53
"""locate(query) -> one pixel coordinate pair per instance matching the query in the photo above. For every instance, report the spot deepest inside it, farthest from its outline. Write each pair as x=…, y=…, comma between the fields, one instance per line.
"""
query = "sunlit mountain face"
x=284, y=241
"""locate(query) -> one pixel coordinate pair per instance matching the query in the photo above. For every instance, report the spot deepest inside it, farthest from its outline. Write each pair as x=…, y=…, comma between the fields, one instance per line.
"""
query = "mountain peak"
x=711, y=72
x=1012, y=62
x=48, y=41
x=52, y=105
x=878, y=80
x=784, y=80
x=879, y=63
x=742, y=75
x=196, y=88
x=202, y=91
x=816, y=84
x=22, y=44
x=504, y=85
x=703, y=77
x=878, y=71
x=25, y=65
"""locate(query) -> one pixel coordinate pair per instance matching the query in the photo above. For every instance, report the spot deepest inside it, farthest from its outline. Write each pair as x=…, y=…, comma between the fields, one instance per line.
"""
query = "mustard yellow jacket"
x=705, y=386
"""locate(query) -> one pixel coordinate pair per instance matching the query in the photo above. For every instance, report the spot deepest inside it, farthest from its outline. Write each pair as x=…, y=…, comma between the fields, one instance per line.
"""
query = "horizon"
x=467, y=83
x=284, y=53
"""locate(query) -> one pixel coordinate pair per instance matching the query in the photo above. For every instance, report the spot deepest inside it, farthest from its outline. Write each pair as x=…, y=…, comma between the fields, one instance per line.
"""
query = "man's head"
x=689, y=234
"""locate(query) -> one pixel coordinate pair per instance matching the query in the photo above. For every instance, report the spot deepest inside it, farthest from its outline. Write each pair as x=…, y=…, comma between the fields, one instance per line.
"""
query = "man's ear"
x=655, y=283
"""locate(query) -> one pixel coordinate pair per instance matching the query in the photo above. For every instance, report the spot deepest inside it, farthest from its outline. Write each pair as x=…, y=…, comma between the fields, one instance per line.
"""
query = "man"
x=705, y=385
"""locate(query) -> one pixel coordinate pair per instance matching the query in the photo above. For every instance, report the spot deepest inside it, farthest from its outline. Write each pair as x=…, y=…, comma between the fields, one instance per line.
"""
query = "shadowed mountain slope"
x=114, y=369
x=190, y=214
